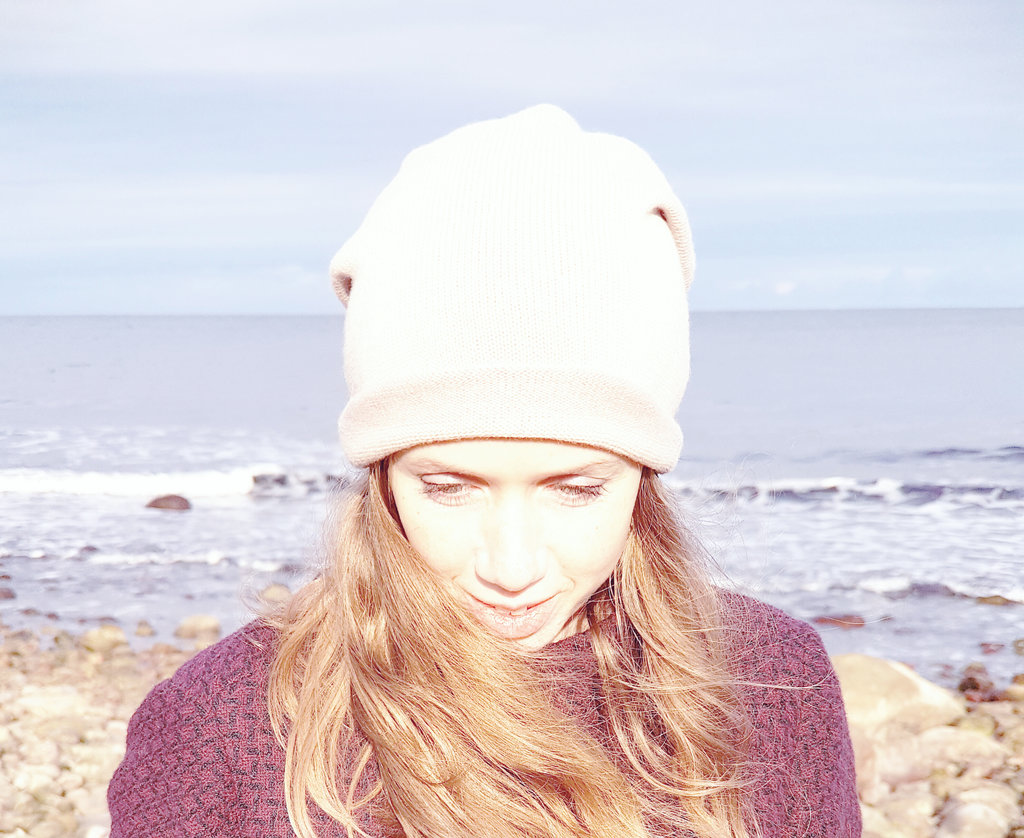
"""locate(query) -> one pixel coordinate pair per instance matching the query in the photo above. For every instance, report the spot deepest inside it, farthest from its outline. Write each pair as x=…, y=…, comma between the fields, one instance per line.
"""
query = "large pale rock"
x=57, y=826
x=35, y=778
x=913, y=808
x=104, y=639
x=887, y=699
x=48, y=702
x=198, y=626
x=871, y=788
x=41, y=752
x=970, y=754
x=973, y=820
x=275, y=594
x=997, y=796
x=949, y=749
x=877, y=825
x=69, y=781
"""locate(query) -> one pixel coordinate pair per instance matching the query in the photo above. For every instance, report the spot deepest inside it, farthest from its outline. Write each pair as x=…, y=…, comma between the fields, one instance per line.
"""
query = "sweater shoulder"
x=770, y=646
x=198, y=745
x=800, y=745
x=238, y=661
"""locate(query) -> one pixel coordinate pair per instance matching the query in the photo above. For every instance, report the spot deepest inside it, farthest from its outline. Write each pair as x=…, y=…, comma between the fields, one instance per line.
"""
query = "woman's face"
x=522, y=531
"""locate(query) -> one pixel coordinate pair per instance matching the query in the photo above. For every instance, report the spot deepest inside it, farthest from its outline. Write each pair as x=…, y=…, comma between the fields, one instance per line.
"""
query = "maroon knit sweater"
x=202, y=759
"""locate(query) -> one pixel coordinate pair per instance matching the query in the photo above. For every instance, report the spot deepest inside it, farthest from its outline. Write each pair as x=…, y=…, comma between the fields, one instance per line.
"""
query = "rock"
x=104, y=639
x=7, y=593
x=995, y=599
x=959, y=752
x=60, y=826
x=997, y=796
x=1014, y=692
x=169, y=502
x=883, y=694
x=913, y=807
x=1005, y=714
x=144, y=629
x=48, y=701
x=982, y=723
x=198, y=626
x=865, y=753
x=877, y=825
x=976, y=685
x=35, y=778
x=1018, y=646
x=275, y=594
x=973, y=820
x=843, y=621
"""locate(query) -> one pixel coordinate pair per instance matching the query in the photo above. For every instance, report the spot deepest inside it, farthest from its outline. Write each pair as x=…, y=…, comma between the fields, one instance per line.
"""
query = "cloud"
x=232, y=210
x=800, y=184
x=710, y=56
x=222, y=138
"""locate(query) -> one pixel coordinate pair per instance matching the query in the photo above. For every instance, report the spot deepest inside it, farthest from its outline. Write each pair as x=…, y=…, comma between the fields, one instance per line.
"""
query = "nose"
x=511, y=557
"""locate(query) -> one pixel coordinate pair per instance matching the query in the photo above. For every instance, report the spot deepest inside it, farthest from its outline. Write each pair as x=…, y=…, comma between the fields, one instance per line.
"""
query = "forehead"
x=512, y=458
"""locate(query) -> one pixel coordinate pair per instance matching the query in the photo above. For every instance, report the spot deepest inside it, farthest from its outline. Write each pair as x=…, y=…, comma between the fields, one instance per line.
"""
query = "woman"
x=515, y=636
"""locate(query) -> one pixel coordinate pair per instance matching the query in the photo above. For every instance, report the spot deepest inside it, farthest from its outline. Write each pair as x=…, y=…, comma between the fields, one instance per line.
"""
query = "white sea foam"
x=886, y=584
x=211, y=557
x=978, y=588
x=850, y=489
x=128, y=484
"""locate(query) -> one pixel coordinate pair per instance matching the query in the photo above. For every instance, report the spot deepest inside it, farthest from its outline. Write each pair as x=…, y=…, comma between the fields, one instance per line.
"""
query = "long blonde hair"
x=376, y=661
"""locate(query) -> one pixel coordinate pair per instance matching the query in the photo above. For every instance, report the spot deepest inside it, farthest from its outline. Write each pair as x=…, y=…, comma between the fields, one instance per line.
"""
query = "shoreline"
x=65, y=701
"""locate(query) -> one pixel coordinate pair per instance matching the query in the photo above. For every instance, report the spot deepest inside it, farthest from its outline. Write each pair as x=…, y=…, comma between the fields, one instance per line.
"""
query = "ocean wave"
x=270, y=481
x=125, y=484
x=1005, y=452
x=259, y=481
x=843, y=490
x=210, y=557
x=903, y=587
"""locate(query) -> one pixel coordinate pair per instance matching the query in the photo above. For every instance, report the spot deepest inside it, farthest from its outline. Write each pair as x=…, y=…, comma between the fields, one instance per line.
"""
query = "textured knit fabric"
x=202, y=760
x=519, y=278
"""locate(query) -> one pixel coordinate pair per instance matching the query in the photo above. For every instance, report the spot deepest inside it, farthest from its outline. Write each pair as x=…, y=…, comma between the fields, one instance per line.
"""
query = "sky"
x=209, y=156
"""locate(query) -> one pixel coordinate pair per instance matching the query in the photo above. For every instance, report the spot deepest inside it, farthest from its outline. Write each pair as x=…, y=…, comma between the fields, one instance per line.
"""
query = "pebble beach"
x=930, y=761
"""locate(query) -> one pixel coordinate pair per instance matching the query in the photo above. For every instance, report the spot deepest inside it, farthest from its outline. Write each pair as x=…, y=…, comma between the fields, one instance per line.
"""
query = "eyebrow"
x=430, y=465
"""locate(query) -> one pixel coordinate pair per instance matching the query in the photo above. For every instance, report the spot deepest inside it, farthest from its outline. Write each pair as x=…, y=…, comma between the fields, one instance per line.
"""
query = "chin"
x=549, y=634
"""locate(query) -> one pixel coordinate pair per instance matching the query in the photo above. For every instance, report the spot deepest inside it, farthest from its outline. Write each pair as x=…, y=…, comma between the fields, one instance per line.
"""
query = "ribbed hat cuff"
x=563, y=405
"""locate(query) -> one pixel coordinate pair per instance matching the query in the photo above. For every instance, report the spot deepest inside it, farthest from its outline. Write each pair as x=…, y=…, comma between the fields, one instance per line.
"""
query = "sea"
x=863, y=470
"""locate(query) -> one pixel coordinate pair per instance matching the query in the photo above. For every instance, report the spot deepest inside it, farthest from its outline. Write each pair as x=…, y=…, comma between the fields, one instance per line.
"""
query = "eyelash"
x=580, y=494
x=452, y=494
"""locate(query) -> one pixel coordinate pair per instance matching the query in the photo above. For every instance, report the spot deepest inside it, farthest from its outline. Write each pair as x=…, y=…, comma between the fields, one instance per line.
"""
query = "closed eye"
x=578, y=494
x=449, y=494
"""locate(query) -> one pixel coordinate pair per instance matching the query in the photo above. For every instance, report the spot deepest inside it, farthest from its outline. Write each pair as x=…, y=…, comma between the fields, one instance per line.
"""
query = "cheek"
x=442, y=545
x=590, y=550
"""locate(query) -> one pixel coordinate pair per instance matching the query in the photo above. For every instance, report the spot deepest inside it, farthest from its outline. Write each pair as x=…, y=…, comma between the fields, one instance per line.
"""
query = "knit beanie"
x=519, y=278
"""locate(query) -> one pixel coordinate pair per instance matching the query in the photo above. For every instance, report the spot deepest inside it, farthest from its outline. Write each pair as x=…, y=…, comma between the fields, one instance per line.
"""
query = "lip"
x=504, y=620
x=504, y=607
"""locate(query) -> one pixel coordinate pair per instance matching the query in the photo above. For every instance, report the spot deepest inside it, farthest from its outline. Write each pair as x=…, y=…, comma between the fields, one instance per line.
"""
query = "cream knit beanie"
x=519, y=278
